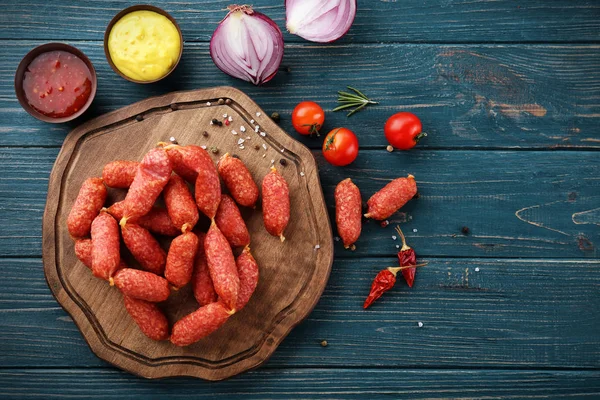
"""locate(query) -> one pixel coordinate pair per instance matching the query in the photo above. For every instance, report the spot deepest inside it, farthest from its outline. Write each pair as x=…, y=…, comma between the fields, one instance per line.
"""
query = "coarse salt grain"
x=211, y=122
x=208, y=103
x=234, y=132
x=415, y=230
x=256, y=128
x=477, y=269
x=317, y=247
x=264, y=146
x=337, y=238
x=397, y=246
x=203, y=146
x=258, y=114
x=282, y=150
x=248, y=138
x=242, y=147
x=420, y=324
x=172, y=139
x=240, y=141
x=242, y=128
x=394, y=237
x=263, y=134
x=251, y=121
x=301, y=173
x=230, y=118
x=225, y=115
x=264, y=155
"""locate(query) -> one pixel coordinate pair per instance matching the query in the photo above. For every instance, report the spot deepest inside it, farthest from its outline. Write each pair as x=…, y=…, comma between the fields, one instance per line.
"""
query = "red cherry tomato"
x=403, y=130
x=308, y=118
x=340, y=147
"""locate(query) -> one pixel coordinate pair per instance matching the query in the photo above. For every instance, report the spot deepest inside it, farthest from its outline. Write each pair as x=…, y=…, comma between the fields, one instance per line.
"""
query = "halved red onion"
x=247, y=45
x=319, y=20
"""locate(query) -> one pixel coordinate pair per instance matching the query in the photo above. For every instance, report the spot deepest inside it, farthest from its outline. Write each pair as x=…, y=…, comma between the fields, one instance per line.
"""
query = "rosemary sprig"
x=357, y=99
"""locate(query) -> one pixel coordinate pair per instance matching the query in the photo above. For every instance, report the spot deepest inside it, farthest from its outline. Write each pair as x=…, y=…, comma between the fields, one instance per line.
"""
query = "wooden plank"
x=376, y=21
x=516, y=204
x=468, y=96
x=501, y=313
x=308, y=384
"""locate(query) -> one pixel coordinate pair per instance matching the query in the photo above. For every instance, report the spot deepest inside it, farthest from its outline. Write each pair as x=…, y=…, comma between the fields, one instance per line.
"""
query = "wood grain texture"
x=309, y=383
x=285, y=294
x=516, y=204
x=468, y=96
x=500, y=313
x=376, y=20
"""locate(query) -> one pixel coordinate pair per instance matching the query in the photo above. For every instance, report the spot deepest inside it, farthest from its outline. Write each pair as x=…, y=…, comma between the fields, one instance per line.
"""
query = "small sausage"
x=238, y=180
x=150, y=179
x=180, y=167
x=207, y=184
x=348, y=211
x=221, y=265
x=202, y=284
x=144, y=248
x=141, y=285
x=86, y=207
x=276, y=203
x=199, y=324
x=83, y=251
x=158, y=221
x=230, y=222
x=391, y=198
x=148, y=317
x=180, y=259
x=117, y=210
x=120, y=173
x=106, y=255
x=180, y=204
x=248, y=272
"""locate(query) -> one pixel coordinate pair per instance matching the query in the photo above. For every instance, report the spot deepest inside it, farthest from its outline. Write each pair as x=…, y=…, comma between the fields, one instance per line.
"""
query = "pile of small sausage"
x=384, y=203
x=222, y=284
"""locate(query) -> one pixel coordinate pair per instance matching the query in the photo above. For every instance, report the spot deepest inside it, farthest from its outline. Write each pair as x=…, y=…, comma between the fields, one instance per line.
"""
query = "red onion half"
x=319, y=20
x=247, y=45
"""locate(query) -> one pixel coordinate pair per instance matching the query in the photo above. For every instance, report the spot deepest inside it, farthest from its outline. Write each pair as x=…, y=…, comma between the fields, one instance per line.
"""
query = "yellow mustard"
x=144, y=45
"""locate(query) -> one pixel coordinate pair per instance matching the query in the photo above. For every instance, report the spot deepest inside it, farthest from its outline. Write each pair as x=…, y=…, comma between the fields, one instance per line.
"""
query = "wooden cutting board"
x=293, y=274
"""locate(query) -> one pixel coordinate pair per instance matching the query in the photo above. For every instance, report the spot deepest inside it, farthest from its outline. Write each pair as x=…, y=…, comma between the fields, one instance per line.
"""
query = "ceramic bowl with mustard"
x=143, y=44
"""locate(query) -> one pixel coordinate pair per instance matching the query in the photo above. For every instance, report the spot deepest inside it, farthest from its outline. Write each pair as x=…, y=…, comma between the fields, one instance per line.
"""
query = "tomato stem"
x=420, y=136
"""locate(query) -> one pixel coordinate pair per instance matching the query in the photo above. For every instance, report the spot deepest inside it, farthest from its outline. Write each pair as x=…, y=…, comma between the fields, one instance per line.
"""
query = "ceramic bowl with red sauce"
x=55, y=82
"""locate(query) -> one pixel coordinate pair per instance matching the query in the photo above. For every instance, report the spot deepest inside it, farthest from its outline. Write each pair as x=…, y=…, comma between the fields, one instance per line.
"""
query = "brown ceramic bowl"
x=121, y=14
x=22, y=68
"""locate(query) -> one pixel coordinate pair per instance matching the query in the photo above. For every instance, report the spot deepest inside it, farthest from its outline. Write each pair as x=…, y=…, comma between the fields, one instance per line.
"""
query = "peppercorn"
x=228, y=101
x=283, y=162
x=324, y=343
x=214, y=150
x=256, y=147
x=235, y=156
x=465, y=230
x=139, y=118
x=276, y=117
x=174, y=107
x=221, y=102
x=205, y=134
x=216, y=122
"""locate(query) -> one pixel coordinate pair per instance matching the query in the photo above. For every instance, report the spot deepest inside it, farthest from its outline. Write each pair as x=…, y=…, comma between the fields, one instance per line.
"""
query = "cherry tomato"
x=308, y=118
x=403, y=130
x=340, y=147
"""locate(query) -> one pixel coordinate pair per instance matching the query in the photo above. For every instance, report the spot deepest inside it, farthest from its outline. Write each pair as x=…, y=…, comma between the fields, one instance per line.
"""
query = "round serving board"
x=293, y=274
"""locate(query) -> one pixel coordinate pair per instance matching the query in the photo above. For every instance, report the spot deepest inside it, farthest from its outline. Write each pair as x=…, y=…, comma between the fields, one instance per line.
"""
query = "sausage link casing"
x=238, y=180
x=275, y=203
x=120, y=173
x=180, y=259
x=158, y=221
x=86, y=207
x=230, y=222
x=106, y=255
x=202, y=285
x=199, y=324
x=148, y=317
x=83, y=251
x=348, y=211
x=144, y=248
x=391, y=198
x=221, y=265
x=180, y=204
x=248, y=273
x=207, y=184
x=141, y=285
x=150, y=179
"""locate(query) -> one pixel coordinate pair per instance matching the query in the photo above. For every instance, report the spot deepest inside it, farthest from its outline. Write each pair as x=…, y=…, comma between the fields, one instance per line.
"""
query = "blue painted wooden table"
x=509, y=93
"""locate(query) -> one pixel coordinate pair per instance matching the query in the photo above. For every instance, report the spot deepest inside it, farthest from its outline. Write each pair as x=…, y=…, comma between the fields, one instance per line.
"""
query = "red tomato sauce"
x=57, y=84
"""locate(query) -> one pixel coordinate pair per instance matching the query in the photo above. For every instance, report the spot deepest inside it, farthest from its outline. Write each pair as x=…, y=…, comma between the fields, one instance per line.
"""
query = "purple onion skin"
x=333, y=40
x=279, y=41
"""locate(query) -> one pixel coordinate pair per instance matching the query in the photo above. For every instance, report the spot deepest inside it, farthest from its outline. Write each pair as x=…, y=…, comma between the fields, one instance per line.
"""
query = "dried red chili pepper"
x=407, y=257
x=384, y=281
